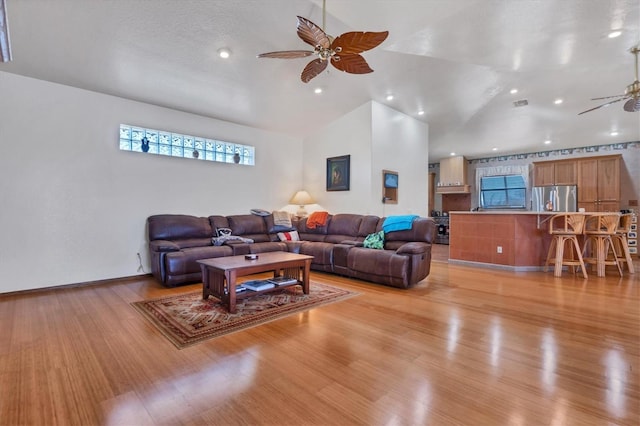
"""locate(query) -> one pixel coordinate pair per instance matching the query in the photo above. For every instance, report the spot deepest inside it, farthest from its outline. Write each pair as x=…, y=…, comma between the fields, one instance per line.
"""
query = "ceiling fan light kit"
x=343, y=52
x=631, y=93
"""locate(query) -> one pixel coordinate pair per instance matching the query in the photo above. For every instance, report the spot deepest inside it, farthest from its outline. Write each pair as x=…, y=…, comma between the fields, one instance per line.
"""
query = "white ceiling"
x=455, y=59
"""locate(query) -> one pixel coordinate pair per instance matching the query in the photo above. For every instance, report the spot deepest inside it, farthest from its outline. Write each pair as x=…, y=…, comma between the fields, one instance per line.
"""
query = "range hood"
x=453, y=176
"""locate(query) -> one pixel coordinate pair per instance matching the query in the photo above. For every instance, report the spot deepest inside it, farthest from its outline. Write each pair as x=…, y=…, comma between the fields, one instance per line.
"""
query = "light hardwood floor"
x=467, y=346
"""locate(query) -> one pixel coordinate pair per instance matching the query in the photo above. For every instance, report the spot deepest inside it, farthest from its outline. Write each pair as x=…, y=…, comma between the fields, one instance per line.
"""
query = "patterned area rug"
x=186, y=319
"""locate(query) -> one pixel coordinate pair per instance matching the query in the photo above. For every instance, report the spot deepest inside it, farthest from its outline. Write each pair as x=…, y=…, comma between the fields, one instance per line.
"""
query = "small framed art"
x=338, y=170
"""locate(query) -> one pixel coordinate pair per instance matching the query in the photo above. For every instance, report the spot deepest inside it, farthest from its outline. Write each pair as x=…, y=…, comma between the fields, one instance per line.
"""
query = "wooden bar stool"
x=620, y=245
x=599, y=229
x=565, y=228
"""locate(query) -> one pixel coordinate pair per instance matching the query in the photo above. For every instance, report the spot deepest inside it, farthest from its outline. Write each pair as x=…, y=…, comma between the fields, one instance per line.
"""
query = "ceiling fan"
x=343, y=51
x=632, y=92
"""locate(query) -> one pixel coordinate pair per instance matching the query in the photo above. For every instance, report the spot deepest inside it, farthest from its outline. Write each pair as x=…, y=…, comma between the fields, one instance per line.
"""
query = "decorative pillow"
x=223, y=232
x=281, y=218
x=374, y=241
x=289, y=236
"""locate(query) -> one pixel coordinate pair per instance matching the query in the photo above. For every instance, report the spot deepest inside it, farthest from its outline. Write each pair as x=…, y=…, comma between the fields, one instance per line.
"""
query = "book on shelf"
x=258, y=285
x=282, y=280
x=240, y=288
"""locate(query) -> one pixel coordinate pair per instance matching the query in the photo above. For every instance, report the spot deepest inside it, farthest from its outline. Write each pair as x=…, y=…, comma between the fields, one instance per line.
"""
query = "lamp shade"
x=301, y=198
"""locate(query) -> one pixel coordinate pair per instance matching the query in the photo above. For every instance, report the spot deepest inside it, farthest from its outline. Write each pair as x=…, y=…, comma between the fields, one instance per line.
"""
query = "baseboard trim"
x=496, y=266
x=74, y=285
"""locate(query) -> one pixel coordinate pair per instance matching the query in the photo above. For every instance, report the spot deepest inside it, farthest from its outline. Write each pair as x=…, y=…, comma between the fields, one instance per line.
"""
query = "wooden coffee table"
x=219, y=274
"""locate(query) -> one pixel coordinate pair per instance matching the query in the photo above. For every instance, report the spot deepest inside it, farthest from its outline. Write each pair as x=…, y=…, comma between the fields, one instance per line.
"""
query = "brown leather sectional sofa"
x=176, y=242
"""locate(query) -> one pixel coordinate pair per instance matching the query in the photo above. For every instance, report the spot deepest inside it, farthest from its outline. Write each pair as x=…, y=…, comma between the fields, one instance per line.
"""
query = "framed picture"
x=338, y=173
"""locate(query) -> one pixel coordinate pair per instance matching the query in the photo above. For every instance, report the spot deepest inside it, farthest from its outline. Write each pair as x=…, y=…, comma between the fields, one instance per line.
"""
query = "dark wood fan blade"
x=356, y=42
x=603, y=105
x=353, y=64
x=312, y=69
x=632, y=105
x=607, y=97
x=312, y=34
x=287, y=54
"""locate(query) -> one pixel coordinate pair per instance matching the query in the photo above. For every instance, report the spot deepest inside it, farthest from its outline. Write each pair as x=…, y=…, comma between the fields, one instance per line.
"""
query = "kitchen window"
x=503, y=192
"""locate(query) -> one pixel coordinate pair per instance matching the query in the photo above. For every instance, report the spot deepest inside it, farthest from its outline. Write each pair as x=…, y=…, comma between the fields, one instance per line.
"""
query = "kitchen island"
x=511, y=240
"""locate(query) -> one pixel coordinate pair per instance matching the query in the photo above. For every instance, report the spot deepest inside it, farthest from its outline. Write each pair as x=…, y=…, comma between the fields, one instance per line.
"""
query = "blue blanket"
x=398, y=223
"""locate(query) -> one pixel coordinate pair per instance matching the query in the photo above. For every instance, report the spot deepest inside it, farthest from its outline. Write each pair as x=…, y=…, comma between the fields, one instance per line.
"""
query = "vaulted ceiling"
x=456, y=60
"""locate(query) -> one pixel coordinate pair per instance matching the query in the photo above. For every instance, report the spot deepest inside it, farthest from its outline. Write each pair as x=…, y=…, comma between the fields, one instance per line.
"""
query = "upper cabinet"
x=599, y=184
x=453, y=176
x=563, y=172
x=598, y=180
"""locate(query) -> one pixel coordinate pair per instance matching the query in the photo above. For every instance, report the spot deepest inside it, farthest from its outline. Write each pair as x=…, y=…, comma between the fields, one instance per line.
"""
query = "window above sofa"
x=139, y=139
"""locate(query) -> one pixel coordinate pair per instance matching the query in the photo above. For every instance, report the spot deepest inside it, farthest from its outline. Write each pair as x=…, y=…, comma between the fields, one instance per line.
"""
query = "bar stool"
x=565, y=228
x=620, y=245
x=599, y=229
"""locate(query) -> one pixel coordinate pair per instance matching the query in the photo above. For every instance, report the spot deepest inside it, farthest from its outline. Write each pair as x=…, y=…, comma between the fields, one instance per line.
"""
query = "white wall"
x=400, y=143
x=349, y=135
x=74, y=206
x=376, y=137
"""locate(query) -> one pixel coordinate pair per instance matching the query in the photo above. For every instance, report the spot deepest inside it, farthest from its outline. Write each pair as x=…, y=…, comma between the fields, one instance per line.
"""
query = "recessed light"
x=614, y=133
x=389, y=97
x=614, y=34
x=224, y=52
x=317, y=90
x=557, y=101
x=547, y=142
x=421, y=112
x=494, y=149
x=453, y=153
x=513, y=91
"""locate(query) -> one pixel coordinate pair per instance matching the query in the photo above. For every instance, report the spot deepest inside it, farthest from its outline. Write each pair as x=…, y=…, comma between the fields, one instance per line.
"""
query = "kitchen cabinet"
x=599, y=183
x=598, y=180
x=563, y=172
x=453, y=176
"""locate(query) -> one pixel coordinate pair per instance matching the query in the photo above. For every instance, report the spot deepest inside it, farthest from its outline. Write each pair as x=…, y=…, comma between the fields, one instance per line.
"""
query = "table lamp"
x=301, y=198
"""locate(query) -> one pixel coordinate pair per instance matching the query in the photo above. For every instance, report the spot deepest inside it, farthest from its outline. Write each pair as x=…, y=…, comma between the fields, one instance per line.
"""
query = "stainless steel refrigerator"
x=554, y=198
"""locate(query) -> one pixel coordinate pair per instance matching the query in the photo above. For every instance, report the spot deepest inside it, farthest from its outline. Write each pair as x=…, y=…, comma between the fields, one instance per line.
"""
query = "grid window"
x=138, y=139
x=502, y=192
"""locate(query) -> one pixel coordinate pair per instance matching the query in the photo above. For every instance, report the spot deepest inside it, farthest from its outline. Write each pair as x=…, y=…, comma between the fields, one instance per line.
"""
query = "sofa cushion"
x=381, y=263
x=322, y=252
x=185, y=261
x=368, y=225
x=249, y=226
x=267, y=247
x=318, y=230
x=178, y=226
x=343, y=227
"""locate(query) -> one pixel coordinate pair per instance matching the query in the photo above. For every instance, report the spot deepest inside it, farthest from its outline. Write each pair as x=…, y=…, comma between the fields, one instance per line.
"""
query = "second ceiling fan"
x=631, y=93
x=343, y=52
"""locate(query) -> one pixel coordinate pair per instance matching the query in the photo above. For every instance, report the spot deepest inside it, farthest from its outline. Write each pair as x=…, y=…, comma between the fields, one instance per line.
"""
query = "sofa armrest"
x=412, y=248
x=163, y=246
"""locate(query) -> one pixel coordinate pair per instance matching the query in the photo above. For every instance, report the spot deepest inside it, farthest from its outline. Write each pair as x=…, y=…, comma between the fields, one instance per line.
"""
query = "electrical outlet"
x=499, y=249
